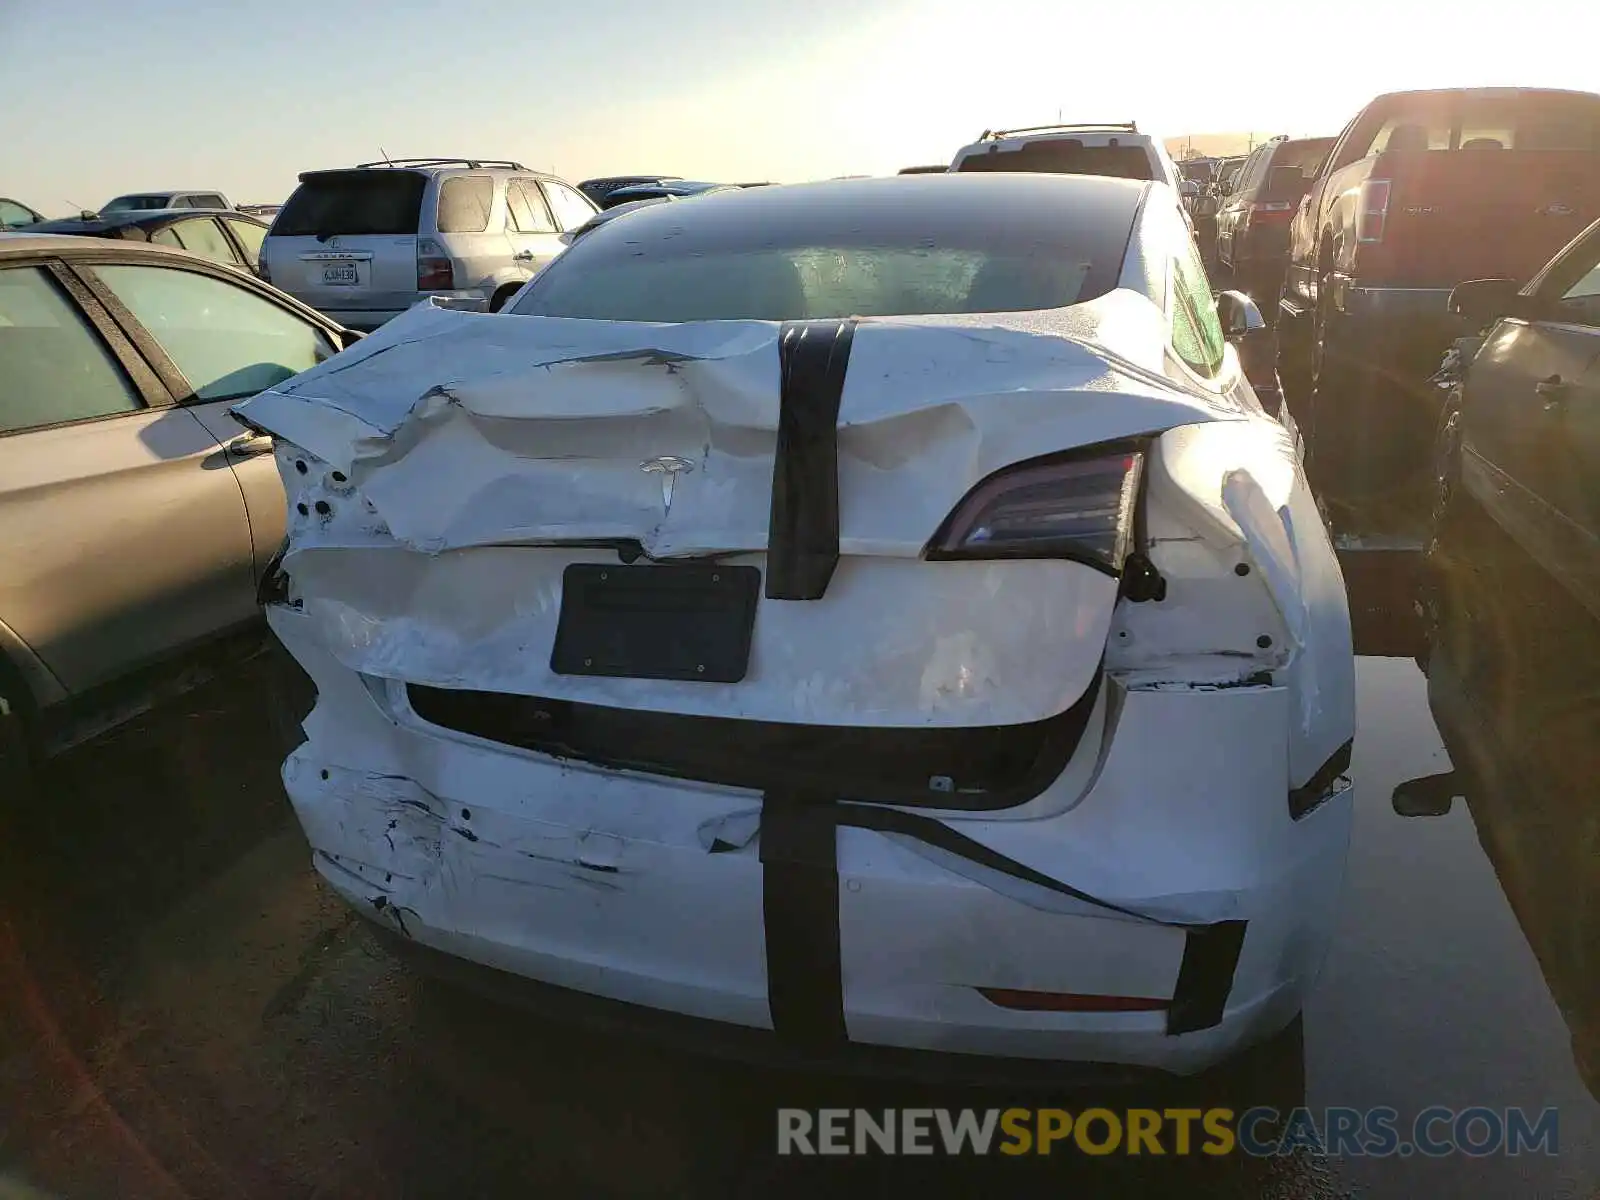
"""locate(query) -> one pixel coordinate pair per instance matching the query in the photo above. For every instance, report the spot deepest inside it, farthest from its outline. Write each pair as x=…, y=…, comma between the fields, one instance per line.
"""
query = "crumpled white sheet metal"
x=469, y=429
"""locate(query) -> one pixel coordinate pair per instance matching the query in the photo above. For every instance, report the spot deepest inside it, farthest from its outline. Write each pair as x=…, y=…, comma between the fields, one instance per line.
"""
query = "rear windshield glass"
x=1065, y=157
x=353, y=202
x=874, y=256
x=1303, y=156
x=1529, y=121
x=136, y=203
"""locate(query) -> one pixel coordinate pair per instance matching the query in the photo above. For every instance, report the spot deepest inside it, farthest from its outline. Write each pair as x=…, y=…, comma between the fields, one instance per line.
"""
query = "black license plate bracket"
x=686, y=621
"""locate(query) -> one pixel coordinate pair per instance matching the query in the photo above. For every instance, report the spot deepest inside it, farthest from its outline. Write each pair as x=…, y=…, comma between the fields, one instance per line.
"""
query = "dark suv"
x=1253, y=218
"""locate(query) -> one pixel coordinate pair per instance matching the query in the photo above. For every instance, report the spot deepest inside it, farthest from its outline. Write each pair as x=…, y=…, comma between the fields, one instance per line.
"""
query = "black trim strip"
x=991, y=767
x=803, y=529
x=1205, y=977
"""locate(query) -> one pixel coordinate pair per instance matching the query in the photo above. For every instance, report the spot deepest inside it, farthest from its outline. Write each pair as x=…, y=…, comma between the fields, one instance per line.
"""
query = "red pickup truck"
x=1421, y=191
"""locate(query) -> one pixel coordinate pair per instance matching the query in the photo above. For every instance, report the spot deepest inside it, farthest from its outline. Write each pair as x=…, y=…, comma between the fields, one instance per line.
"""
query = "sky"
x=109, y=96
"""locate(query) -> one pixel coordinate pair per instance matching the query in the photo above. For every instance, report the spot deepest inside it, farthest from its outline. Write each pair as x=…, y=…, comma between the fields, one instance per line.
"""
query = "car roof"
x=429, y=168
x=60, y=243
x=169, y=192
x=1028, y=200
x=1446, y=93
x=141, y=217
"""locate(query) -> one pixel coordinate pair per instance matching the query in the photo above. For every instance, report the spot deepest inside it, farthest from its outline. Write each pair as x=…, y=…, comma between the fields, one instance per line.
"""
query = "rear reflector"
x=1069, y=1001
x=1372, y=210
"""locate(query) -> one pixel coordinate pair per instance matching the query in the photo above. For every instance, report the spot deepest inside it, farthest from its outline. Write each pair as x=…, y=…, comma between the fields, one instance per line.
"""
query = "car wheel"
x=503, y=296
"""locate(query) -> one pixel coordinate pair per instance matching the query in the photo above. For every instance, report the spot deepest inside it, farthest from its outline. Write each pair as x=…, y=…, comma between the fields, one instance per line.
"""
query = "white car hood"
x=464, y=429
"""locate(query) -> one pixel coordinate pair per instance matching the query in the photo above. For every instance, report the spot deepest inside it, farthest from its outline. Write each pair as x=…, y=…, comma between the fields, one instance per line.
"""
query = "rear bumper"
x=367, y=319
x=655, y=893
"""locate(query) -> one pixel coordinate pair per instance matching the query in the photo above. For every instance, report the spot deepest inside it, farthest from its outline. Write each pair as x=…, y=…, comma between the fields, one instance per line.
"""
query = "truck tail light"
x=1372, y=210
x=1078, y=506
x=435, y=272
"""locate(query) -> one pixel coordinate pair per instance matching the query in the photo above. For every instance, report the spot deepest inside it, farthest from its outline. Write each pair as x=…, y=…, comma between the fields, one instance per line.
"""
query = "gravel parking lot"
x=191, y=1013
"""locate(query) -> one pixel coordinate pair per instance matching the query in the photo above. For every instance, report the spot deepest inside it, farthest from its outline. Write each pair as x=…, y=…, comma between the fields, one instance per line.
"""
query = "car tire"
x=502, y=296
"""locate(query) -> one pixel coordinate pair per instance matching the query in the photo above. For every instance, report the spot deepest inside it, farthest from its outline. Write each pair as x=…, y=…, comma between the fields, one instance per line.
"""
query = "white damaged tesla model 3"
x=865, y=618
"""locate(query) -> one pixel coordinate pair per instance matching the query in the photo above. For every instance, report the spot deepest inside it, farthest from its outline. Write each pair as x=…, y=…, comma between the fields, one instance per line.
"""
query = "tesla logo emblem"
x=1556, y=210
x=669, y=468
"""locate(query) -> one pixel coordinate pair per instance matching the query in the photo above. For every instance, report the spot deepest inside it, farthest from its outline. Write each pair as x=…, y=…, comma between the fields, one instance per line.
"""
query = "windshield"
x=139, y=203
x=353, y=202
x=806, y=282
x=1065, y=157
x=872, y=249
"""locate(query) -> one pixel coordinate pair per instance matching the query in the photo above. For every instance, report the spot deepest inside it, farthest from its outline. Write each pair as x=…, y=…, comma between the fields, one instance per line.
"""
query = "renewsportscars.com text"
x=1259, y=1132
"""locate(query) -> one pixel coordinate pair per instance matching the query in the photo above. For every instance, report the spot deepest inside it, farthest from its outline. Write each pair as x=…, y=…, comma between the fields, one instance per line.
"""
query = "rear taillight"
x=1372, y=210
x=1265, y=213
x=434, y=270
x=1079, y=507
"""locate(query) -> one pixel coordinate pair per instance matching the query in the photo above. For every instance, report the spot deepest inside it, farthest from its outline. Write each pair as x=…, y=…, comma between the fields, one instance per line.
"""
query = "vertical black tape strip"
x=803, y=530
x=800, y=910
x=1205, y=977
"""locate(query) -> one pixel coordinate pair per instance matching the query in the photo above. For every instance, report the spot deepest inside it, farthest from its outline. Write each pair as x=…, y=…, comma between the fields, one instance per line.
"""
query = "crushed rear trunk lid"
x=466, y=476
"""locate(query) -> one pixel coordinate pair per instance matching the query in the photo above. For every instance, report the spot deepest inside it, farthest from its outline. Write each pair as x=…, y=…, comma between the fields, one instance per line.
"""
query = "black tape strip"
x=800, y=910
x=1205, y=977
x=803, y=529
x=1314, y=791
x=934, y=832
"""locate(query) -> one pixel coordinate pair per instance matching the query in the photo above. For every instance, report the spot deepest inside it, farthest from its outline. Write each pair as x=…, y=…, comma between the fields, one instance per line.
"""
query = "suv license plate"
x=343, y=274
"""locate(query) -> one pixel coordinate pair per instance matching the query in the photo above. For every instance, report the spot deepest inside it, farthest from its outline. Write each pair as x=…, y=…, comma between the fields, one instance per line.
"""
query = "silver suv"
x=365, y=243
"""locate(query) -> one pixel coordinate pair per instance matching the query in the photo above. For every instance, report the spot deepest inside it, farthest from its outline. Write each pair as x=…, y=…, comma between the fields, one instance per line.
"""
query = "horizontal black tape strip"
x=934, y=832
x=803, y=528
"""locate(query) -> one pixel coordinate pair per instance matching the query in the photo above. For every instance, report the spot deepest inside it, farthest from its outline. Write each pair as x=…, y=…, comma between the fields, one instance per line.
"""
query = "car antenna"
x=386, y=157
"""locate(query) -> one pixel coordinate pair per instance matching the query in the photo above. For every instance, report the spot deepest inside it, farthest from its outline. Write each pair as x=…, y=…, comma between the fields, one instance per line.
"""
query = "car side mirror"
x=1429, y=796
x=1481, y=301
x=349, y=337
x=1240, y=316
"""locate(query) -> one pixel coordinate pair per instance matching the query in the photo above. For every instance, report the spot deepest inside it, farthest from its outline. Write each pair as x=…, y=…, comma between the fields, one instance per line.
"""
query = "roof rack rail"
x=444, y=162
x=995, y=134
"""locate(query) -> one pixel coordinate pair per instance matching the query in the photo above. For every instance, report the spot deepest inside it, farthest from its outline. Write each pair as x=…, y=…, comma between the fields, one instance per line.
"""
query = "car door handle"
x=523, y=256
x=249, y=445
x=1552, y=390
